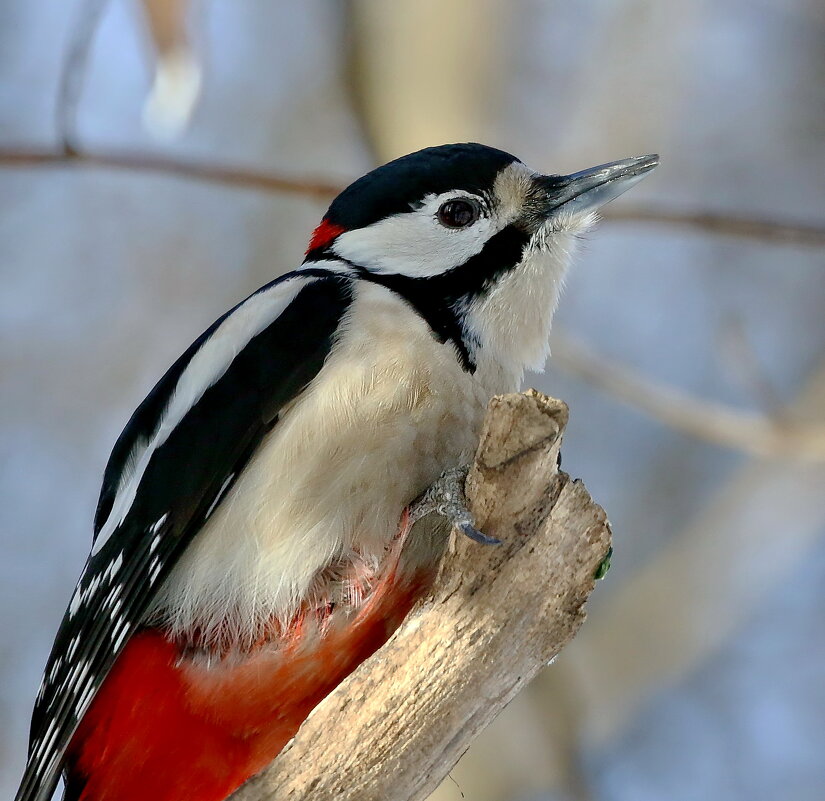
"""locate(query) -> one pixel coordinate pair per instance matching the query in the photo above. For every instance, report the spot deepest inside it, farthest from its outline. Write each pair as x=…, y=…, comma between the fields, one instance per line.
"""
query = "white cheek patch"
x=414, y=243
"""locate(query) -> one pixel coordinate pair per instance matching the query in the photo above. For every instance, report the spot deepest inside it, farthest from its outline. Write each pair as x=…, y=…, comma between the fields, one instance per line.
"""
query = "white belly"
x=389, y=411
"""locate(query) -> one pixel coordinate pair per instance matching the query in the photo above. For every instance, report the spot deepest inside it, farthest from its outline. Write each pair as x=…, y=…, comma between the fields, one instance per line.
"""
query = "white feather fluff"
x=389, y=411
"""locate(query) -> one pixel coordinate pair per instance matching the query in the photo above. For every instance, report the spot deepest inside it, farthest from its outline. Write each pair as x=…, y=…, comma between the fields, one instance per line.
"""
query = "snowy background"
x=700, y=673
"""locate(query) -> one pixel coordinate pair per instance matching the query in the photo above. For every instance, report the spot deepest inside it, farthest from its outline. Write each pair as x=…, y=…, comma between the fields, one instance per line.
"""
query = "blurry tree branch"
x=176, y=167
x=73, y=73
x=177, y=81
x=754, y=228
x=754, y=532
x=713, y=422
x=496, y=617
x=757, y=229
x=741, y=361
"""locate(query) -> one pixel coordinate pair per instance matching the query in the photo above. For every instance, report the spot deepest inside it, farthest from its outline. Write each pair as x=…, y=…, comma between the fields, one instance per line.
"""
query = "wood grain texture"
x=497, y=615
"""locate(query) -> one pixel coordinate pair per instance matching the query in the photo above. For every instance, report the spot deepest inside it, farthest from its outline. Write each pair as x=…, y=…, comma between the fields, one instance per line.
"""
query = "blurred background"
x=159, y=160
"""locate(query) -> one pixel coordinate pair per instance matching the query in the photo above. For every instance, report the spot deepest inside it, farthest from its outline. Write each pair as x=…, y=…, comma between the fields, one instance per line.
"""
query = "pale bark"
x=497, y=615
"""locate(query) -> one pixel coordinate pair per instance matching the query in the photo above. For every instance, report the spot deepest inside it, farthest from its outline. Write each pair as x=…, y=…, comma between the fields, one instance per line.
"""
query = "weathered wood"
x=497, y=615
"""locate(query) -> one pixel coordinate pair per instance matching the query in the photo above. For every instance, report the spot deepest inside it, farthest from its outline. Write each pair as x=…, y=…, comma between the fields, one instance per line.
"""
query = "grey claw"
x=446, y=498
x=477, y=536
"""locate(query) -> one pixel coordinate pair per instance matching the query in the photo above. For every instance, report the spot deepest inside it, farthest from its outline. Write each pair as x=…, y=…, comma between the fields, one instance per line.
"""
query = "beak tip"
x=639, y=165
x=590, y=189
x=652, y=160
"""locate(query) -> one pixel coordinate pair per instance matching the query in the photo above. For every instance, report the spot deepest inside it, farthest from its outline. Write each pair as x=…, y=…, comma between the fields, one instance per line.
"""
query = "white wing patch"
x=335, y=267
x=219, y=496
x=208, y=364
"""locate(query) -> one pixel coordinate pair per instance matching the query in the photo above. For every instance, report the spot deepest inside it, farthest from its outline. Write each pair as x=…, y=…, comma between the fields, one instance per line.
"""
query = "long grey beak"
x=590, y=189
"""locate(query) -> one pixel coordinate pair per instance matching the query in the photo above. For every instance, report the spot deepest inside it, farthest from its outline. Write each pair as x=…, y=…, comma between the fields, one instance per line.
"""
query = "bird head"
x=473, y=238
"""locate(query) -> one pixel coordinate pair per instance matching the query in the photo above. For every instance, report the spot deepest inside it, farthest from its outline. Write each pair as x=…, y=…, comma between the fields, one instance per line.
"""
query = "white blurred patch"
x=174, y=94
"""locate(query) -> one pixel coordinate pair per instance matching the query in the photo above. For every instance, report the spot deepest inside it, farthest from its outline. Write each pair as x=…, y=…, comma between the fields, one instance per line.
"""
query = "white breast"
x=389, y=411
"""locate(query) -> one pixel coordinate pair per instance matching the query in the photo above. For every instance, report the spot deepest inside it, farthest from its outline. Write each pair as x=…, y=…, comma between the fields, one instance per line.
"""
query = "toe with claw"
x=446, y=498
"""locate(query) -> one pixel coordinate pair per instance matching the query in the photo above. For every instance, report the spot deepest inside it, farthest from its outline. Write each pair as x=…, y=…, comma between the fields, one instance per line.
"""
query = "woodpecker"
x=252, y=537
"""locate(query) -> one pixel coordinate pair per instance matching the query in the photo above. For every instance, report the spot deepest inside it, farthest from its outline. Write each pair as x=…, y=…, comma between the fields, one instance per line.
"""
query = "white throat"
x=511, y=322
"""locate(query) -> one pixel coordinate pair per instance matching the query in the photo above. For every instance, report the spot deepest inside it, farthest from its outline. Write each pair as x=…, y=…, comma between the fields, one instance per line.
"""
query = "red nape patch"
x=324, y=234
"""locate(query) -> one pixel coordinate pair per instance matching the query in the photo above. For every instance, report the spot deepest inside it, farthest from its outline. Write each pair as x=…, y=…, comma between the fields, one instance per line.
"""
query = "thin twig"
x=713, y=422
x=73, y=73
x=758, y=229
x=741, y=360
x=163, y=165
x=753, y=228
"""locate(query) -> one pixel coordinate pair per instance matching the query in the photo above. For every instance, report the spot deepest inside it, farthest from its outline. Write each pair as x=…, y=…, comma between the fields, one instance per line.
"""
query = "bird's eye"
x=458, y=213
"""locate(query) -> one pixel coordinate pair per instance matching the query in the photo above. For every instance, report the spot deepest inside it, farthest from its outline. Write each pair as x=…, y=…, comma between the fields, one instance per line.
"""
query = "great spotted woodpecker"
x=248, y=553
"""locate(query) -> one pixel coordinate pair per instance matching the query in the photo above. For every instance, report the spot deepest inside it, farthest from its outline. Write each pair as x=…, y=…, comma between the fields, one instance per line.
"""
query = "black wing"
x=175, y=460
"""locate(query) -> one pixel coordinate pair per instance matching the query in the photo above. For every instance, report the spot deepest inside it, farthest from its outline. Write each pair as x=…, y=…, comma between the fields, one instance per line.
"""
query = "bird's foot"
x=446, y=498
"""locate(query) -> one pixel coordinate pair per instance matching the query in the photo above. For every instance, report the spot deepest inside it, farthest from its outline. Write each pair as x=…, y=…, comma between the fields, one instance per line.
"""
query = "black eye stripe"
x=438, y=298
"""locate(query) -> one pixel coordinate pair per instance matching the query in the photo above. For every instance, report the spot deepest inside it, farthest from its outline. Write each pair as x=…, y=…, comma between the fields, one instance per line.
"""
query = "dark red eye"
x=458, y=213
